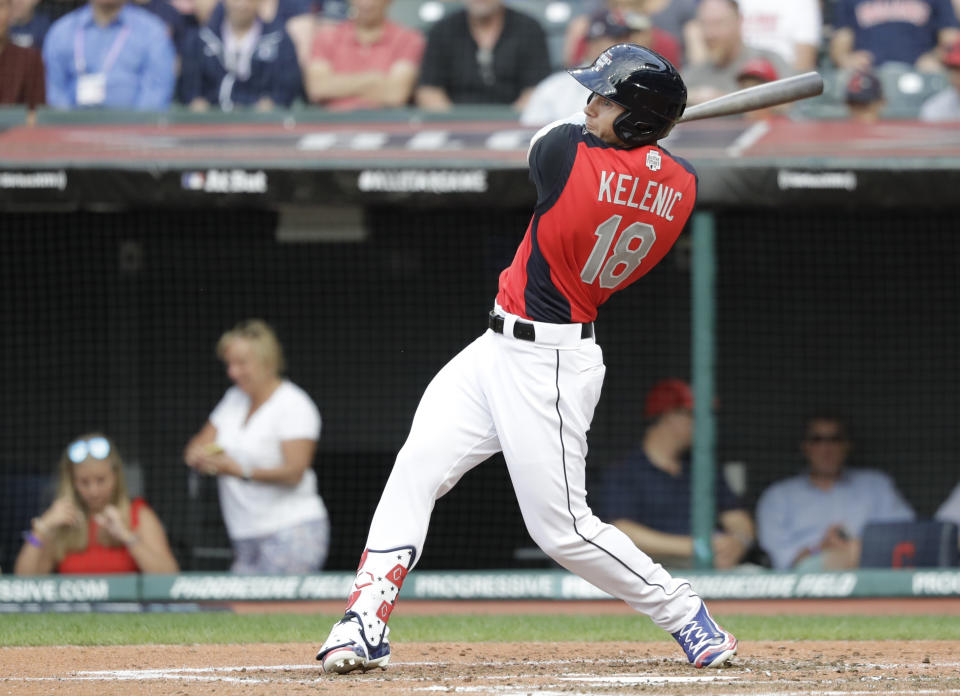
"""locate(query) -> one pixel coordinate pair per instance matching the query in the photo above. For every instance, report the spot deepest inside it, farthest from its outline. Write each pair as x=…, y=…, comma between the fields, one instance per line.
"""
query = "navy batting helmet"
x=644, y=83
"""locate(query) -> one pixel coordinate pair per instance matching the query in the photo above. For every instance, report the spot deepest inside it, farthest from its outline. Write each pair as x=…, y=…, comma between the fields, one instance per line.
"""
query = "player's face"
x=95, y=481
x=601, y=113
x=826, y=448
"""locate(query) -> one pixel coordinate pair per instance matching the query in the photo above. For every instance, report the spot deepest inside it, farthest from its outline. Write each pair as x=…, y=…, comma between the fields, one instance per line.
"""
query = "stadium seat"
x=554, y=16
x=921, y=544
x=421, y=14
x=905, y=89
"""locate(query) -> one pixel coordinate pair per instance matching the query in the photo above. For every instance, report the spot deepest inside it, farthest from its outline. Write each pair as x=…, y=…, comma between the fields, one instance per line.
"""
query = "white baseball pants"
x=534, y=401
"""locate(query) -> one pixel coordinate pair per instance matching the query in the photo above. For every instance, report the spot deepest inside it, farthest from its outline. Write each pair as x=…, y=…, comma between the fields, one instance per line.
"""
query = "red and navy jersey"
x=605, y=215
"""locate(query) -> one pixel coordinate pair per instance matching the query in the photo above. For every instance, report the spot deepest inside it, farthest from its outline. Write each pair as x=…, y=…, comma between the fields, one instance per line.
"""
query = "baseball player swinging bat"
x=759, y=97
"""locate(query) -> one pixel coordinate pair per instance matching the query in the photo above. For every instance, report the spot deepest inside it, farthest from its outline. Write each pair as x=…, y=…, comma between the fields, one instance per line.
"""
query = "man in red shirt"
x=610, y=204
x=21, y=69
x=366, y=62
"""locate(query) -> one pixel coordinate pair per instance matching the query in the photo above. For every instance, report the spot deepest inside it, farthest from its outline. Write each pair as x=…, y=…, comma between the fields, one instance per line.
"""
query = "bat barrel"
x=788, y=89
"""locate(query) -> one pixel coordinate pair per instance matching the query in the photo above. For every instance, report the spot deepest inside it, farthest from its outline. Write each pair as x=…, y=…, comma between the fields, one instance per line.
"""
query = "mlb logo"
x=192, y=181
x=653, y=160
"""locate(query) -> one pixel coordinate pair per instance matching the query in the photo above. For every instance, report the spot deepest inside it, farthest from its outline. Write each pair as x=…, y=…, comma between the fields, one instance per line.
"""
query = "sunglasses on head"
x=826, y=438
x=96, y=447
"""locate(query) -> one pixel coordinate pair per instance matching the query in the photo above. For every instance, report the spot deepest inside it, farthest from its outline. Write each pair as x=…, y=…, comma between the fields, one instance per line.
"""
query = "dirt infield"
x=497, y=669
x=782, y=668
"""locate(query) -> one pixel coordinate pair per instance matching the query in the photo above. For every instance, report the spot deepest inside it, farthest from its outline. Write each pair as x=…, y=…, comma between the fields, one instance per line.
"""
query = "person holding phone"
x=259, y=442
x=93, y=526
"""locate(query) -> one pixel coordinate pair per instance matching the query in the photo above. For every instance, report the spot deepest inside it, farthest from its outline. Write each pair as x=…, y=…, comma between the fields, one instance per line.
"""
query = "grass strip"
x=222, y=627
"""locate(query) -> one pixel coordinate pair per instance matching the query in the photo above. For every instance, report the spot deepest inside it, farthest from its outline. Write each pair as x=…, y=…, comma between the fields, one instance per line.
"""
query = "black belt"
x=525, y=331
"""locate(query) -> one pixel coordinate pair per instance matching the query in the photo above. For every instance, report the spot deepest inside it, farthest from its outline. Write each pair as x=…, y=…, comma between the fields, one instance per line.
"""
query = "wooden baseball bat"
x=759, y=97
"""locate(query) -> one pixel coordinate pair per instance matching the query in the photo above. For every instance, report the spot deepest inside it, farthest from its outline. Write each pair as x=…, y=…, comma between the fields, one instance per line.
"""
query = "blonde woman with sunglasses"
x=93, y=527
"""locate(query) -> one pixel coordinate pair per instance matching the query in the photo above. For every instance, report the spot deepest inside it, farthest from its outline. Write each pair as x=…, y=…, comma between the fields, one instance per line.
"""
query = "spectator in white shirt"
x=792, y=30
x=259, y=442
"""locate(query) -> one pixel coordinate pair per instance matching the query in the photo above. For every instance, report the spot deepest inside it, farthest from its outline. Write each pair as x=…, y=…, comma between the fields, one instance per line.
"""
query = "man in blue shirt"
x=109, y=55
x=647, y=496
x=813, y=521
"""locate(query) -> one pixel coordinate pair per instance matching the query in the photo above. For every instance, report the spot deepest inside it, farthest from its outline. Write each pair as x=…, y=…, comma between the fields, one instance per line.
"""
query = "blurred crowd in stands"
x=366, y=54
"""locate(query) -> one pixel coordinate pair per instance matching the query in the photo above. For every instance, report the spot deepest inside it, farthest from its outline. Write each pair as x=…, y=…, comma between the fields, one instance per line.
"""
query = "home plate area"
x=502, y=669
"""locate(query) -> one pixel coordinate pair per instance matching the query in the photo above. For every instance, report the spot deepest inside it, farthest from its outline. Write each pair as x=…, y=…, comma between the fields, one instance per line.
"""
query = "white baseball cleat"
x=347, y=649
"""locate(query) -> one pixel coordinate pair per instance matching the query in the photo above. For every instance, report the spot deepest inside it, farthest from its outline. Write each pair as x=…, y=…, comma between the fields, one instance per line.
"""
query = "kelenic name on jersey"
x=655, y=197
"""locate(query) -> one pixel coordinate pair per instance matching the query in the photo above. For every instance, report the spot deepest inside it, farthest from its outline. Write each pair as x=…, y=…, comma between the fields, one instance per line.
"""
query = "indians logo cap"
x=864, y=88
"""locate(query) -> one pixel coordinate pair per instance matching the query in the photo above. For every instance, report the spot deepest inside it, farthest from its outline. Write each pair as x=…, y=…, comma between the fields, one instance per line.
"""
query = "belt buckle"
x=524, y=331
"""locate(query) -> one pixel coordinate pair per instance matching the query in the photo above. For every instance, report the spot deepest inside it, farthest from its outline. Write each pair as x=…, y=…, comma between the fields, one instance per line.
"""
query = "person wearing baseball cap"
x=864, y=97
x=945, y=104
x=647, y=494
x=758, y=71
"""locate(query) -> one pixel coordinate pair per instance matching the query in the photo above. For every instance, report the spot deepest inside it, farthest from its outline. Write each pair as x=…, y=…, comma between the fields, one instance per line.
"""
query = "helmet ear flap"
x=635, y=133
x=625, y=130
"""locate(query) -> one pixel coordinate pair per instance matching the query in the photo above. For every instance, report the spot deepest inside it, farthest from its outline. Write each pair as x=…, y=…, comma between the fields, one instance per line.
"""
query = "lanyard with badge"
x=92, y=87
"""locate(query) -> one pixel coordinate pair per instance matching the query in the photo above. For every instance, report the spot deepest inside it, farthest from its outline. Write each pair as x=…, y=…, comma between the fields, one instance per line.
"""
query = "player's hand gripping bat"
x=759, y=97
